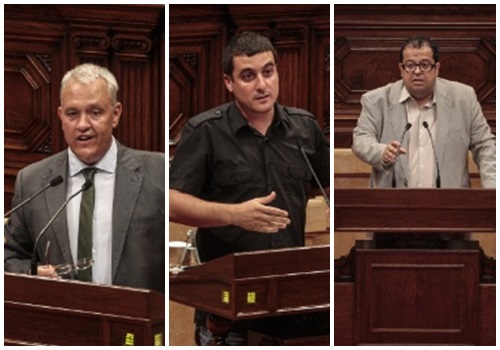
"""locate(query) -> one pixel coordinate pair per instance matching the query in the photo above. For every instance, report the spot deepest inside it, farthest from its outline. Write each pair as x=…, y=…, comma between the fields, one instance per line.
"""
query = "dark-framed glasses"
x=82, y=264
x=424, y=66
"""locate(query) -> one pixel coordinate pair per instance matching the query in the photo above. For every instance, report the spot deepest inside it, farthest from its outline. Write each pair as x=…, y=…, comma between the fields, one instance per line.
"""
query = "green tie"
x=85, y=227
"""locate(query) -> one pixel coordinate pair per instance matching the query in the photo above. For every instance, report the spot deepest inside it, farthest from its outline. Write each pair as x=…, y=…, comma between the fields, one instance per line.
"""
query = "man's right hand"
x=255, y=215
x=392, y=151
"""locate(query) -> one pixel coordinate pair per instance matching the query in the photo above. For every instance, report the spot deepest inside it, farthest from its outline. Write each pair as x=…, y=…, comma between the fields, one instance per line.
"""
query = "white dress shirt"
x=102, y=226
x=420, y=153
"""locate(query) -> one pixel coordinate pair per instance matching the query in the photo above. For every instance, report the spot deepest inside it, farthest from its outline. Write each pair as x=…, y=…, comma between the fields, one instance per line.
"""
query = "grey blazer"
x=138, y=237
x=460, y=127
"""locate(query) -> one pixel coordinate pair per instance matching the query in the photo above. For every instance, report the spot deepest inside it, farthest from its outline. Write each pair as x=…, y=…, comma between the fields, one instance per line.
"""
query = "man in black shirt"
x=239, y=173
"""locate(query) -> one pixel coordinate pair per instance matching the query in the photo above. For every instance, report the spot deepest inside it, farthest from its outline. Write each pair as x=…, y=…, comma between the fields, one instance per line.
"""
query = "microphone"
x=438, y=177
x=54, y=182
x=315, y=176
x=407, y=127
x=88, y=184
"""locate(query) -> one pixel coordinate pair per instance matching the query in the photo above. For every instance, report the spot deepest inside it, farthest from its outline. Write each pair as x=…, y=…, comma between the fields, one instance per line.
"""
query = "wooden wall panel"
x=198, y=34
x=367, y=43
x=41, y=42
x=195, y=73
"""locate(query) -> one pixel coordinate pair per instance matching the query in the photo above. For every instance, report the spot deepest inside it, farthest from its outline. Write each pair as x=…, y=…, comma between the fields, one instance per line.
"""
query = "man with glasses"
x=417, y=131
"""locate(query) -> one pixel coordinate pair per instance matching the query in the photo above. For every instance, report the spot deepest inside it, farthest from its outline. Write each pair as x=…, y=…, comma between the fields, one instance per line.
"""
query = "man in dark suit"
x=127, y=226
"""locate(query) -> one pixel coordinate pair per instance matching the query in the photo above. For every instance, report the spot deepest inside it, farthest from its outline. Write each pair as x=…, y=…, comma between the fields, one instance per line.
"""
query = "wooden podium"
x=260, y=284
x=41, y=311
x=410, y=294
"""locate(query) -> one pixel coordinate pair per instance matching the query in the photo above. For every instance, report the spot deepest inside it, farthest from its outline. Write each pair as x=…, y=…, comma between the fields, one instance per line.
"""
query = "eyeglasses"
x=82, y=264
x=424, y=66
x=64, y=269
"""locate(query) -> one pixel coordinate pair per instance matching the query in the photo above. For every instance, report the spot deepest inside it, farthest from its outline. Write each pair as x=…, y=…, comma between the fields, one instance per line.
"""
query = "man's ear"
x=60, y=112
x=117, y=112
x=228, y=82
x=401, y=69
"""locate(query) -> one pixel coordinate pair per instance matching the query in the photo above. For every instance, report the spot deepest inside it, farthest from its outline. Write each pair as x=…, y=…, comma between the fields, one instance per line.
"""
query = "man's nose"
x=83, y=121
x=261, y=82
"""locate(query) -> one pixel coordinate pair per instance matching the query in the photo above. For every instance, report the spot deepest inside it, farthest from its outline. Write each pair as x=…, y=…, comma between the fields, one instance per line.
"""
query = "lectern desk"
x=45, y=311
x=406, y=294
x=258, y=284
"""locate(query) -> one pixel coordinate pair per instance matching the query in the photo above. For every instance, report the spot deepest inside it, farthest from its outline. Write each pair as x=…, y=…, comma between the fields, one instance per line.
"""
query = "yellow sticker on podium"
x=225, y=296
x=158, y=341
x=129, y=339
x=251, y=298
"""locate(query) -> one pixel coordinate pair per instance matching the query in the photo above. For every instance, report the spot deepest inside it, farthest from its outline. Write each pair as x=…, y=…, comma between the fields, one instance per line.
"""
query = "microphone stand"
x=54, y=182
x=34, y=263
x=315, y=177
x=438, y=177
x=393, y=180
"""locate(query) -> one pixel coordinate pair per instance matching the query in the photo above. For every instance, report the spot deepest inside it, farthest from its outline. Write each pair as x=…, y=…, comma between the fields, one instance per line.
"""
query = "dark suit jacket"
x=138, y=241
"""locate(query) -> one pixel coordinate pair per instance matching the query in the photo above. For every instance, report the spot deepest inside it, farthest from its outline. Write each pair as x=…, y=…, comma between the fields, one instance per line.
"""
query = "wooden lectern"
x=430, y=294
x=259, y=284
x=41, y=311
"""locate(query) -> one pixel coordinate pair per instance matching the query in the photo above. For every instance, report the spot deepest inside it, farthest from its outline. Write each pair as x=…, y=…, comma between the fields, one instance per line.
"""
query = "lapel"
x=54, y=200
x=443, y=119
x=127, y=187
x=398, y=120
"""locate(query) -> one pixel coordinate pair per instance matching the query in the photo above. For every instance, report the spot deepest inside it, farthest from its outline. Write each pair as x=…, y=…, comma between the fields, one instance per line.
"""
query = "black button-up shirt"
x=220, y=158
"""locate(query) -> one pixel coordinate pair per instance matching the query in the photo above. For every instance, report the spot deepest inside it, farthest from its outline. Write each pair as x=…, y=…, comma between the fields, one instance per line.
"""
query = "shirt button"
x=270, y=165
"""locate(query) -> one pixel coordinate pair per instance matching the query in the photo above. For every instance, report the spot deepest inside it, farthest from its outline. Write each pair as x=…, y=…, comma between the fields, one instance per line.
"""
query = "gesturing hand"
x=392, y=151
x=255, y=215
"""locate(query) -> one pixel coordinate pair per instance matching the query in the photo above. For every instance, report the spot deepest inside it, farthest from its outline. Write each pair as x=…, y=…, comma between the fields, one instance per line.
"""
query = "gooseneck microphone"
x=34, y=266
x=314, y=175
x=407, y=127
x=438, y=177
x=54, y=182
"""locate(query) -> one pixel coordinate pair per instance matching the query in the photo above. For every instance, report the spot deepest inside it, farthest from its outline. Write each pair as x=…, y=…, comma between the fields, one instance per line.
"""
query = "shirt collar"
x=405, y=95
x=238, y=121
x=107, y=163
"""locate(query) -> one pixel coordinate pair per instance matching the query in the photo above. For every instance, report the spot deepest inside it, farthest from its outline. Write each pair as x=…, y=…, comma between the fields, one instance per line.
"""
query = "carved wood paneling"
x=41, y=42
x=195, y=73
x=367, y=43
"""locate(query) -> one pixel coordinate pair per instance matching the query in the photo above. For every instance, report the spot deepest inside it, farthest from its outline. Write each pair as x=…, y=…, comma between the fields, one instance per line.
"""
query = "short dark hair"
x=417, y=42
x=245, y=44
